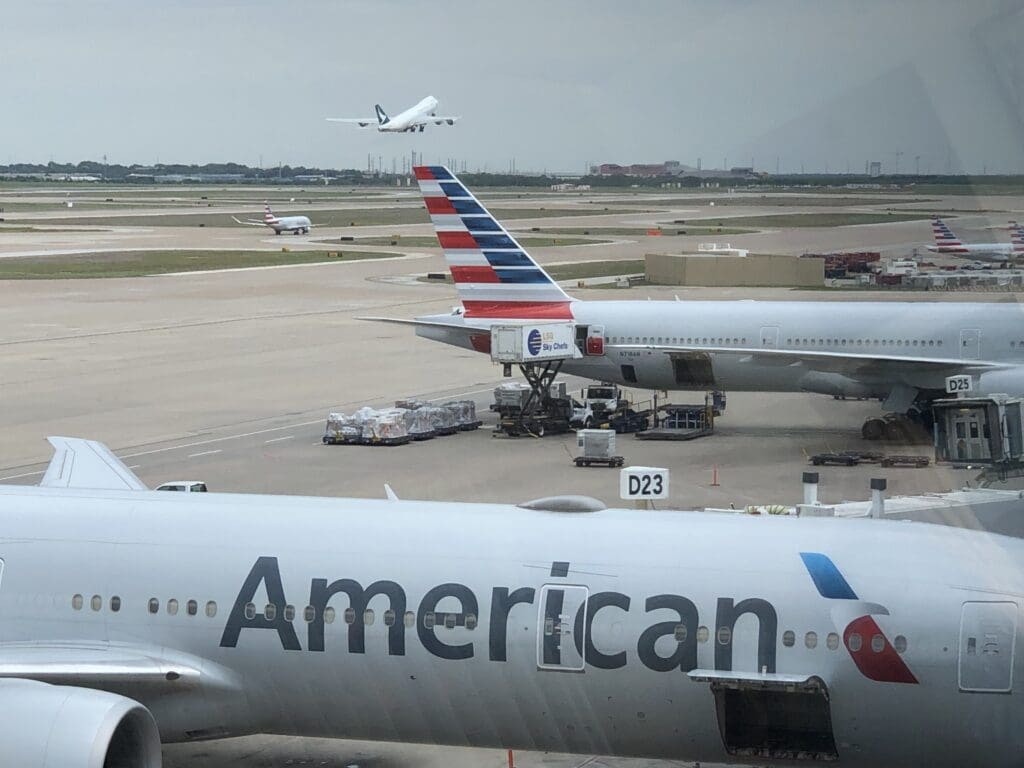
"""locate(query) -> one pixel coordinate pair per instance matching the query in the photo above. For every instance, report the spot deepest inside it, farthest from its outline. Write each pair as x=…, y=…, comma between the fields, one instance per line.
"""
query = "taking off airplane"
x=898, y=352
x=133, y=617
x=416, y=118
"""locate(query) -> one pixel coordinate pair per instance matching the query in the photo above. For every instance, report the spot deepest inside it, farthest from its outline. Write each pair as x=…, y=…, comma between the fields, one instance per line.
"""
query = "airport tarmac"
x=228, y=377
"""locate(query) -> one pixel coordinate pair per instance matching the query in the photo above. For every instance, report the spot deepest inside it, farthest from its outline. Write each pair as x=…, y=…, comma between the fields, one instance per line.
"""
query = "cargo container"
x=535, y=342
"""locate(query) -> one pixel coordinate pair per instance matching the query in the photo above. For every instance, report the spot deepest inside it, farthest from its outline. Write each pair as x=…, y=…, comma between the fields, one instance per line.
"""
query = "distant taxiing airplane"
x=300, y=225
x=947, y=242
x=134, y=617
x=897, y=352
x=413, y=119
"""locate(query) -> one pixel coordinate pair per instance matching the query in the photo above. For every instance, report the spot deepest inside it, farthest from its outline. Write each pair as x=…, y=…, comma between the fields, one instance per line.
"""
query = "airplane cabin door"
x=970, y=344
x=988, y=633
x=770, y=337
x=559, y=648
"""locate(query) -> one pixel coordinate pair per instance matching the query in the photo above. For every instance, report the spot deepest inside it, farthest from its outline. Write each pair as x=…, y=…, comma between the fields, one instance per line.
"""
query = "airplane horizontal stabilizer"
x=79, y=463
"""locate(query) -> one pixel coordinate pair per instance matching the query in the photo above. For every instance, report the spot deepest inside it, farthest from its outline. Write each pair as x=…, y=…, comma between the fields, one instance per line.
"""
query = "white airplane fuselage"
x=411, y=118
x=497, y=626
x=969, y=332
x=290, y=224
x=981, y=251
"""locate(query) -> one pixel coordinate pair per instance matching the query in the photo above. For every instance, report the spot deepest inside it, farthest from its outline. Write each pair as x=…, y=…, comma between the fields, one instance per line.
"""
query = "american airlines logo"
x=853, y=617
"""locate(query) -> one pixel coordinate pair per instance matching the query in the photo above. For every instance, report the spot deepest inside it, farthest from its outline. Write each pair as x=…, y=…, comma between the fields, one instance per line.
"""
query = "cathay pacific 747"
x=416, y=118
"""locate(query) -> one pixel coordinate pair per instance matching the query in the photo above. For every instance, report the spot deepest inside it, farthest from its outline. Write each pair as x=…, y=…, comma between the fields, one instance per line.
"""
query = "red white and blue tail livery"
x=495, y=277
x=947, y=242
x=300, y=225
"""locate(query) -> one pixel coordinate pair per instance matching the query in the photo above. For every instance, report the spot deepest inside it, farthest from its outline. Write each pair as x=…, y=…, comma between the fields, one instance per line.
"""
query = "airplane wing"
x=79, y=463
x=251, y=222
x=105, y=665
x=362, y=122
x=847, y=363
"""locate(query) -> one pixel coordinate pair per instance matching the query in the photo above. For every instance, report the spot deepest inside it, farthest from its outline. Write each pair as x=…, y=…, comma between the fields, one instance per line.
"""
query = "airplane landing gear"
x=899, y=427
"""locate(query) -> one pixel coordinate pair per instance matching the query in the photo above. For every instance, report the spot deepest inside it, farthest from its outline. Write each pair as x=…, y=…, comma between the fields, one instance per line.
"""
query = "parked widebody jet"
x=300, y=225
x=416, y=118
x=133, y=617
x=898, y=352
x=947, y=242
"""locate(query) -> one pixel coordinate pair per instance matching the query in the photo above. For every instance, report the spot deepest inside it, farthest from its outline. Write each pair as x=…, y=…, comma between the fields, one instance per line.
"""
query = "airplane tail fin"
x=1017, y=237
x=268, y=215
x=382, y=116
x=945, y=240
x=494, y=276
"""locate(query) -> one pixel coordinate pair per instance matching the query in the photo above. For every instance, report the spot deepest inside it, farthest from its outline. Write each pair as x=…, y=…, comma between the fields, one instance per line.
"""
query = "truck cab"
x=183, y=486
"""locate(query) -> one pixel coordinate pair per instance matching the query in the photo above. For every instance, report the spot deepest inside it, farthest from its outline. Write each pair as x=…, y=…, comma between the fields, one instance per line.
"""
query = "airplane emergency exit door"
x=561, y=640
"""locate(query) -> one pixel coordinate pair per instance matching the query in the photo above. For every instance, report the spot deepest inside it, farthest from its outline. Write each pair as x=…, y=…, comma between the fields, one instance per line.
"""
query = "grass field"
x=429, y=241
x=792, y=220
x=139, y=263
x=666, y=230
x=351, y=217
x=782, y=201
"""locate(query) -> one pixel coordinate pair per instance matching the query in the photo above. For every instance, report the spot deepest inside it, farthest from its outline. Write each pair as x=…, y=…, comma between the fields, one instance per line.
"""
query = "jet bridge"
x=984, y=431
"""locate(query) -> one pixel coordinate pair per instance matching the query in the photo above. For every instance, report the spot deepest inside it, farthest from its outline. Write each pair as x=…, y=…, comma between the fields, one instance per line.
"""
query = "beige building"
x=719, y=270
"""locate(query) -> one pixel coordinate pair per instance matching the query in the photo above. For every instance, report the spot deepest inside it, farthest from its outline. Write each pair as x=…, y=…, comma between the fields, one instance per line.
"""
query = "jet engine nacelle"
x=835, y=384
x=1007, y=381
x=53, y=726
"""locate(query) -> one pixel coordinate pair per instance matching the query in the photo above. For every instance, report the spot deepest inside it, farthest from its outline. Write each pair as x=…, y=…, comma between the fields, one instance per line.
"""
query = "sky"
x=554, y=85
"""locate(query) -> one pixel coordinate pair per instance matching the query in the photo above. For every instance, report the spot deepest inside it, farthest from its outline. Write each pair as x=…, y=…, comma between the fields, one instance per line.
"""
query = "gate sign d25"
x=643, y=483
x=958, y=384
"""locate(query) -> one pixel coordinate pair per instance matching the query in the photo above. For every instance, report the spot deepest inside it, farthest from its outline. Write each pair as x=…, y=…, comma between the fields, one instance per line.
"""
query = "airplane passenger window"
x=832, y=641
x=154, y=605
x=702, y=634
x=368, y=617
x=470, y=621
x=115, y=604
x=409, y=619
x=899, y=643
x=249, y=611
x=549, y=626
x=329, y=615
x=449, y=621
x=877, y=643
x=724, y=635
x=349, y=615
x=269, y=611
x=308, y=613
x=211, y=609
x=679, y=633
x=289, y=612
x=172, y=608
x=811, y=640
x=789, y=638
x=191, y=607
x=854, y=643
x=96, y=602
x=429, y=620
x=77, y=601
x=389, y=617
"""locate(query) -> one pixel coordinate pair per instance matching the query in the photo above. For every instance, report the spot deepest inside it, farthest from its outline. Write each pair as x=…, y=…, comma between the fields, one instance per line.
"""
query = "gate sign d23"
x=643, y=483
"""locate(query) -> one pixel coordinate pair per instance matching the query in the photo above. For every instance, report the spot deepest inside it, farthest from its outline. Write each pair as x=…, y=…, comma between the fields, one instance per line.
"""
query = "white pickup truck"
x=183, y=486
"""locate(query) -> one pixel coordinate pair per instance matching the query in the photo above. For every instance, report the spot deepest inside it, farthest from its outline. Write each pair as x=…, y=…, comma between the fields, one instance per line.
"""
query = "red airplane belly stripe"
x=519, y=310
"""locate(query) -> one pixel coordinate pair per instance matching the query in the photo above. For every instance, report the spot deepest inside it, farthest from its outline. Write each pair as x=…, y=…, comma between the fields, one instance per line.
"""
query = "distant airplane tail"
x=382, y=116
x=1017, y=237
x=945, y=240
x=494, y=276
x=268, y=215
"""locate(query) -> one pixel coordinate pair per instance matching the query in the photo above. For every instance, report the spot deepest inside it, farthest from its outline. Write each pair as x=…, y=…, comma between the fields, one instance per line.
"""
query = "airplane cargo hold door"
x=970, y=344
x=988, y=633
x=770, y=337
x=558, y=647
